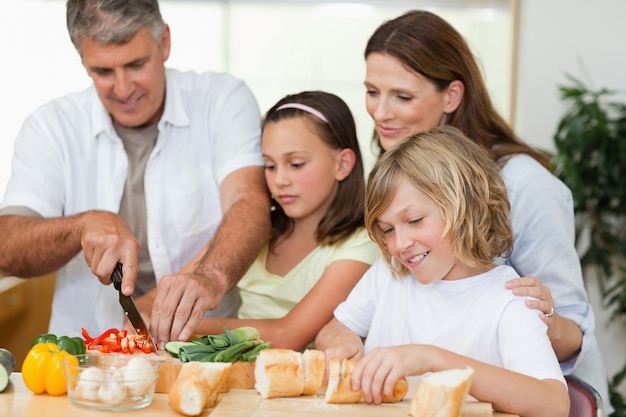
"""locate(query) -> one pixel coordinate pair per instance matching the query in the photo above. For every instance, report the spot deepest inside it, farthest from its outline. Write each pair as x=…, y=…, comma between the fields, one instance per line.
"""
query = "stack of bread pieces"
x=287, y=373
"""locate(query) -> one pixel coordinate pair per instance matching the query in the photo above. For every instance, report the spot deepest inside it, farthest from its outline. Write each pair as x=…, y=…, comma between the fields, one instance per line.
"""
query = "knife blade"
x=130, y=309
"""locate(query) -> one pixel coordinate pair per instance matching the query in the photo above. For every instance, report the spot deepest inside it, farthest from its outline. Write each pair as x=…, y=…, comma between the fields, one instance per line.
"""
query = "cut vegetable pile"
x=117, y=341
x=242, y=344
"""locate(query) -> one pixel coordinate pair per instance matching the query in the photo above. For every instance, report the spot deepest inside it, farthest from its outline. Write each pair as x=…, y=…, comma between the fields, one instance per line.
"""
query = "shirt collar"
x=100, y=119
x=175, y=112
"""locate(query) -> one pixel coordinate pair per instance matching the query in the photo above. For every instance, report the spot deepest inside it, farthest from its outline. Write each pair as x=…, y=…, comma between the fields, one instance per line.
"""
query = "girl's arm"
x=507, y=390
x=300, y=326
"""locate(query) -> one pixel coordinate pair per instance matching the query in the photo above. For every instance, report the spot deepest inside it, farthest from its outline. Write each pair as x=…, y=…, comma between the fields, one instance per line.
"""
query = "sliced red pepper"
x=86, y=336
x=131, y=345
x=114, y=340
x=111, y=343
x=96, y=341
x=121, y=335
x=146, y=348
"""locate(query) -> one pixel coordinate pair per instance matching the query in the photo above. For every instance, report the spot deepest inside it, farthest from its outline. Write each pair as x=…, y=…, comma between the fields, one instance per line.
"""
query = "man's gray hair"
x=112, y=22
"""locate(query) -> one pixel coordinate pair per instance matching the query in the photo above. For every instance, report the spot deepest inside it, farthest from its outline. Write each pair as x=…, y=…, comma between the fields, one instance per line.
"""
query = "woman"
x=420, y=73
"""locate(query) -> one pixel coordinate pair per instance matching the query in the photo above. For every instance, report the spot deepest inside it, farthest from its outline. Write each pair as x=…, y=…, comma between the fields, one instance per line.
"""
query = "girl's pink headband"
x=304, y=107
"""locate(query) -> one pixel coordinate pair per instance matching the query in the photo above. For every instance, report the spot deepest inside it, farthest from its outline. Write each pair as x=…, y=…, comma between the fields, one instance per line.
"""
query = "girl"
x=319, y=247
x=438, y=209
x=420, y=73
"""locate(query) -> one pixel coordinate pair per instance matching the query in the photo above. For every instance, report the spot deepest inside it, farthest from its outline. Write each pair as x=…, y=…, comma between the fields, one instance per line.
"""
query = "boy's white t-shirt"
x=476, y=317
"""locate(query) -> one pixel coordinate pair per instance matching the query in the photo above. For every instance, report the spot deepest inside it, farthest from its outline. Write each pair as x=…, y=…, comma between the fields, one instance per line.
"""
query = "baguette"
x=314, y=364
x=197, y=386
x=441, y=394
x=339, y=389
x=279, y=373
x=287, y=373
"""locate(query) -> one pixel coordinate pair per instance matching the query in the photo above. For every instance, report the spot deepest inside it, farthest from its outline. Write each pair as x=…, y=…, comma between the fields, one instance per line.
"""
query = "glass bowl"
x=113, y=382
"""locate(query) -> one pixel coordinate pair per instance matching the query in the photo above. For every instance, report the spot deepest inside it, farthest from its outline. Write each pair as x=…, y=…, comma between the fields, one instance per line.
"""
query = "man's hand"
x=181, y=301
x=107, y=240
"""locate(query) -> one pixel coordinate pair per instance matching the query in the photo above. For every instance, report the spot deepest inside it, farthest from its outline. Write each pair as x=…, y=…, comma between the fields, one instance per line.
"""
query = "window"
x=277, y=47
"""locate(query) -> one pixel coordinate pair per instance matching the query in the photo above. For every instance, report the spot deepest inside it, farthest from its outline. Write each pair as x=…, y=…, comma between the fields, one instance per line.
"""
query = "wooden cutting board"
x=248, y=403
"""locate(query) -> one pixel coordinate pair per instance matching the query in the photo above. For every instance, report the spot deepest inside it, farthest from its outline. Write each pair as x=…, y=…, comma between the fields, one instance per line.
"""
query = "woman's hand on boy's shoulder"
x=530, y=286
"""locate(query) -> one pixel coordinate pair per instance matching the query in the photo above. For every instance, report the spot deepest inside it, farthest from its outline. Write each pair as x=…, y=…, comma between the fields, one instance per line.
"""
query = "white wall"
x=585, y=39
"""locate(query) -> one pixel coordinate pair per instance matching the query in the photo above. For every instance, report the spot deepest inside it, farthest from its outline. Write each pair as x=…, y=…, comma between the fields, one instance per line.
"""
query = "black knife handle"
x=116, y=277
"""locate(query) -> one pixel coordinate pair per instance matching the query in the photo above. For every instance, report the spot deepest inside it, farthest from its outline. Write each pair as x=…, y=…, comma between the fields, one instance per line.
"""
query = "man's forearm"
x=32, y=246
x=242, y=232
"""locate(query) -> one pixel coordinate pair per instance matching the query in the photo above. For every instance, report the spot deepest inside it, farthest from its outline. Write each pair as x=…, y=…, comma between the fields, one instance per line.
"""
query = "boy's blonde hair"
x=461, y=177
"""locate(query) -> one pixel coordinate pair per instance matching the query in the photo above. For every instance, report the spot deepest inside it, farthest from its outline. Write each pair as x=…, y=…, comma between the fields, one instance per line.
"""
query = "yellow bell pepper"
x=42, y=369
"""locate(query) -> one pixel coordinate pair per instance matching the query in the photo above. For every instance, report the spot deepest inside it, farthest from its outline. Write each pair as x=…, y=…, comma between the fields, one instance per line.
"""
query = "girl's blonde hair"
x=461, y=177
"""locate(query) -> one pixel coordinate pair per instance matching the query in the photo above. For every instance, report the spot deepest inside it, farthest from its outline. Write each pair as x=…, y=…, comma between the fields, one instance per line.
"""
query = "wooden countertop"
x=18, y=401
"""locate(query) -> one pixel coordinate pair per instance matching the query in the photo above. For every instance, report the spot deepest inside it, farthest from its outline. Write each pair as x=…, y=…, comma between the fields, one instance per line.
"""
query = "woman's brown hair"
x=428, y=45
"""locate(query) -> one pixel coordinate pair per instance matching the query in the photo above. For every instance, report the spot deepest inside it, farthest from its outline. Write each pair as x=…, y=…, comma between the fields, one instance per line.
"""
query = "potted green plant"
x=591, y=159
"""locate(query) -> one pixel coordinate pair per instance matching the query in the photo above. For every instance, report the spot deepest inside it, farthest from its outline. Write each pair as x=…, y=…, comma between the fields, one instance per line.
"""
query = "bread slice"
x=314, y=364
x=339, y=388
x=441, y=394
x=214, y=373
x=188, y=396
x=279, y=373
x=197, y=386
x=399, y=391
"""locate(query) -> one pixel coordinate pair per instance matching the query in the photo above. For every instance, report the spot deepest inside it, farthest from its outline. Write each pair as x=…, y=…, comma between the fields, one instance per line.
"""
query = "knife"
x=130, y=309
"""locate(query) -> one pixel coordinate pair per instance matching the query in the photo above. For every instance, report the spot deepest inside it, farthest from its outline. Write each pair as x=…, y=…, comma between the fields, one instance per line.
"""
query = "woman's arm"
x=300, y=326
x=544, y=246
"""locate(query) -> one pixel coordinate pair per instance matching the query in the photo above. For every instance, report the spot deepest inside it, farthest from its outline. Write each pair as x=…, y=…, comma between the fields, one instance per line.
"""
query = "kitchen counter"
x=18, y=401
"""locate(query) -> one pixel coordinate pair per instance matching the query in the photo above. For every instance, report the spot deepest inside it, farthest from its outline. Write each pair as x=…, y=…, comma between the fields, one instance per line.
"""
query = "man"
x=148, y=167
